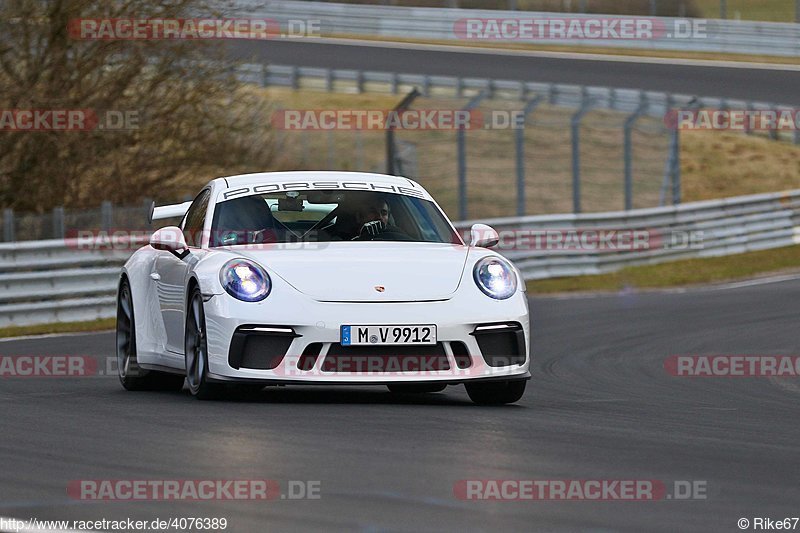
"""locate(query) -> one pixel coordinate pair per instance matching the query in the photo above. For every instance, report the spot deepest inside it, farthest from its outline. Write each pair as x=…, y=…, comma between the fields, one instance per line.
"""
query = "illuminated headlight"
x=495, y=277
x=245, y=280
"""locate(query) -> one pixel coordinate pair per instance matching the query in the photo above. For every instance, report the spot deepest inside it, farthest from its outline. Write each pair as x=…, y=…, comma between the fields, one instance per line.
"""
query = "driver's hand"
x=371, y=229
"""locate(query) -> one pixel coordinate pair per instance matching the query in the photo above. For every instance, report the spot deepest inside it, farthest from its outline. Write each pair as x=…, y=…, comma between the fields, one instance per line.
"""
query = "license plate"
x=383, y=335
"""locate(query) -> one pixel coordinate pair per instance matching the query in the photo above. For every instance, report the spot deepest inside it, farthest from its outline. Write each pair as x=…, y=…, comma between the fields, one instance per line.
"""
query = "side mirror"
x=483, y=236
x=170, y=239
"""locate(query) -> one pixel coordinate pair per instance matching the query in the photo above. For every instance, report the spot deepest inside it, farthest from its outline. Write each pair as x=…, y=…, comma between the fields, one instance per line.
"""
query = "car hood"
x=357, y=271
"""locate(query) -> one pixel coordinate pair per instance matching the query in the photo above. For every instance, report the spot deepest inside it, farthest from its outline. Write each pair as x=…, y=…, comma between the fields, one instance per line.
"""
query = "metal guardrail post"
x=653, y=7
x=404, y=104
x=8, y=225
x=58, y=222
x=512, y=5
x=723, y=9
x=360, y=82
x=519, y=133
x=628, y=149
x=106, y=216
x=295, y=79
x=676, y=168
x=329, y=80
x=461, y=145
x=586, y=105
x=264, y=75
x=146, y=203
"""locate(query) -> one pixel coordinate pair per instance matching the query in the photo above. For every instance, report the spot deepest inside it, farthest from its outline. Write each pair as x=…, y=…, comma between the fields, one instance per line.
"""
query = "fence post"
x=723, y=9
x=304, y=146
x=654, y=7
x=512, y=5
x=461, y=145
x=586, y=104
x=331, y=150
x=359, y=151
x=295, y=80
x=58, y=222
x=8, y=225
x=582, y=6
x=676, y=168
x=519, y=132
x=628, y=149
x=797, y=10
x=404, y=104
x=329, y=80
x=106, y=216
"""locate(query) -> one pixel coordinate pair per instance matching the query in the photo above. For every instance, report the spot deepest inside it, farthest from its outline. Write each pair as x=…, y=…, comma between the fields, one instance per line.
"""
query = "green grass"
x=768, y=10
x=678, y=273
x=60, y=327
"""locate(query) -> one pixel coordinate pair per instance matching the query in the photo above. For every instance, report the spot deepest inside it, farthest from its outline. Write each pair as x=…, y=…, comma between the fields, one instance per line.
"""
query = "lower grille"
x=501, y=344
x=259, y=347
x=377, y=359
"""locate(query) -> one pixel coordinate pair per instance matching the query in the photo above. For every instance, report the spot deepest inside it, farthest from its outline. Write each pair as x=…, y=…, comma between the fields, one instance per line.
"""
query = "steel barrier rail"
x=652, y=103
x=58, y=280
x=428, y=23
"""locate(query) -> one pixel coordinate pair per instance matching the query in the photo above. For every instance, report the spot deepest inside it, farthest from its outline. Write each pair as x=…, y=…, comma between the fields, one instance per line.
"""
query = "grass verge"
x=60, y=327
x=678, y=273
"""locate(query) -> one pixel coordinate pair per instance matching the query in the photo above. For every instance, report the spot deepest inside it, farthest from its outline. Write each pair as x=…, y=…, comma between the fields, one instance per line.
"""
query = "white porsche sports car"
x=320, y=277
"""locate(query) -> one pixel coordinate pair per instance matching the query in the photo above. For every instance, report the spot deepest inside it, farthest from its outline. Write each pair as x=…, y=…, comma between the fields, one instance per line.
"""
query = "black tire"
x=417, y=388
x=496, y=392
x=131, y=375
x=196, y=350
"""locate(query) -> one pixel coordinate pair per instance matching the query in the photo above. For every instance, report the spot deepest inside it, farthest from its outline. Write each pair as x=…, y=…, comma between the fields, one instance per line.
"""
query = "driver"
x=372, y=219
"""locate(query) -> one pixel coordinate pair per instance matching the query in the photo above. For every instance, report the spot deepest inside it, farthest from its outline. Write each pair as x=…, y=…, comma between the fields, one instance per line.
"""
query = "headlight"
x=245, y=280
x=495, y=277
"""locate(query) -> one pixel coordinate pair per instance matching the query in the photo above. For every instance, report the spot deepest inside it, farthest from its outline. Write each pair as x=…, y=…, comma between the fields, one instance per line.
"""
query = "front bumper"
x=307, y=348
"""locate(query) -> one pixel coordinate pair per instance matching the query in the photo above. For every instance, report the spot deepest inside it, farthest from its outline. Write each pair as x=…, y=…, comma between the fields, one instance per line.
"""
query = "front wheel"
x=131, y=375
x=196, y=350
x=496, y=392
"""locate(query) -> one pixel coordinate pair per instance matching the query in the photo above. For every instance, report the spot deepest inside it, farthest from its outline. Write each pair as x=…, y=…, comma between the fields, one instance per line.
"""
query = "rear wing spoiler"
x=167, y=211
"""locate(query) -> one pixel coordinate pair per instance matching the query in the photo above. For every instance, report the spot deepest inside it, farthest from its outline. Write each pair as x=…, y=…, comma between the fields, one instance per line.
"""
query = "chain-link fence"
x=504, y=167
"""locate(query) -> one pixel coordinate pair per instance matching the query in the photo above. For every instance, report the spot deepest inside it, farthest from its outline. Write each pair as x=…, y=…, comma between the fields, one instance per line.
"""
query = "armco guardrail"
x=61, y=280
x=652, y=103
x=427, y=23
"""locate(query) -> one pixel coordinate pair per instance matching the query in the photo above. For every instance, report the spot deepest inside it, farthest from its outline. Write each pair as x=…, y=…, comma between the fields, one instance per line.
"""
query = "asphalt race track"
x=600, y=406
x=772, y=84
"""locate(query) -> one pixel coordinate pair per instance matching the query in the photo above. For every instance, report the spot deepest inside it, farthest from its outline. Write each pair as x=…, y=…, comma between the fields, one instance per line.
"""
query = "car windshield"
x=328, y=215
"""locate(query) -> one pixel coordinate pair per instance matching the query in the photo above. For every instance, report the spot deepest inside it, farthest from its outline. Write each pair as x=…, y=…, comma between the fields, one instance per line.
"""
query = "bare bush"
x=193, y=120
